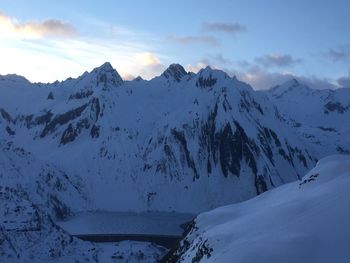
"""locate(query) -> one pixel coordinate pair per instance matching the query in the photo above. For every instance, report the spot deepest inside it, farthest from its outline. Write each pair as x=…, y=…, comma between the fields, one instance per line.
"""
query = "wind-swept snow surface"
x=305, y=221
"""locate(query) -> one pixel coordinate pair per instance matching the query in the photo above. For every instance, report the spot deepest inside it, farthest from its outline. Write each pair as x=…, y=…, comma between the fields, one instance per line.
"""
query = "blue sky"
x=262, y=42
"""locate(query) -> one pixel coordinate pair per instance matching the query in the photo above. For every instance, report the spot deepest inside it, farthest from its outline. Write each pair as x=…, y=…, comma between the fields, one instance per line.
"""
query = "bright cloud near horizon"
x=261, y=42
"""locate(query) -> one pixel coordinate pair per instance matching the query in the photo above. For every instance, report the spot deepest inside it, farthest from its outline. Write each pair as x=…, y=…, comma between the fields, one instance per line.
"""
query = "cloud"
x=186, y=40
x=243, y=63
x=128, y=76
x=34, y=29
x=229, y=28
x=148, y=65
x=58, y=60
x=340, y=54
x=197, y=67
x=261, y=79
x=277, y=60
x=148, y=59
x=51, y=58
x=220, y=59
x=255, y=76
x=344, y=81
x=217, y=61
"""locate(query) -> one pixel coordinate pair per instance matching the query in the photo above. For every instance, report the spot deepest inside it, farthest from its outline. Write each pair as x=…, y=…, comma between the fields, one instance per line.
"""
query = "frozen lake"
x=126, y=223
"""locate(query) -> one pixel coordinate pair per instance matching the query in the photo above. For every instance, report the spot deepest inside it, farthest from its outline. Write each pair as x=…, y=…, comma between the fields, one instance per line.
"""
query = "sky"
x=261, y=42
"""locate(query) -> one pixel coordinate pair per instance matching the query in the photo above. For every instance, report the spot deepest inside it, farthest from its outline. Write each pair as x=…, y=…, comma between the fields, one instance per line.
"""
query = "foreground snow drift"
x=305, y=221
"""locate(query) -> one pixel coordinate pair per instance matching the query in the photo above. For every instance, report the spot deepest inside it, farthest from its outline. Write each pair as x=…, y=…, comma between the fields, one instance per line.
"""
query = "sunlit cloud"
x=148, y=59
x=147, y=65
x=58, y=60
x=27, y=50
x=197, y=67
x=128, y=76
x=10, y=27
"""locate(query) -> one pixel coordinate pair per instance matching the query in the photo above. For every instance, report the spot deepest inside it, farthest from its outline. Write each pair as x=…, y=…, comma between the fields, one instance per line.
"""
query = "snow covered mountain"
x=156, y=143
x=319, y=117
x=304, y=221
x=180, y=142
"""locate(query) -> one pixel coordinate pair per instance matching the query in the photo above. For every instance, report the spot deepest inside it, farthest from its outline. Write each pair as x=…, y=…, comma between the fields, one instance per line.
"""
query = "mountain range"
x=182, y=141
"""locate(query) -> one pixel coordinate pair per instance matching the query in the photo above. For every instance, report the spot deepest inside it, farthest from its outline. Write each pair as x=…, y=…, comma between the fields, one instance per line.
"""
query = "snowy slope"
x=304, y=221
x=181, y=141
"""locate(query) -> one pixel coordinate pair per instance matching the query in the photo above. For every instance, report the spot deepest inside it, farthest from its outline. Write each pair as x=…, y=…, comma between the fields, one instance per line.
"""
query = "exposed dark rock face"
x=203, y=250
x=39, y=120
x=180, y=137
x=82, y=94
x=69, y=134
x=95, y=108
x=6, y=116
x=208, y=82
x=247, y=104
x=95, y=131
x=260, y=184
x=207, y=139
x=228, y=147
x=50, y=96
x=335, y=106
x=328, y=129
x=10, y=131
x=181, y=247
x=62, y=119
x=341, y=150
x=235, y=147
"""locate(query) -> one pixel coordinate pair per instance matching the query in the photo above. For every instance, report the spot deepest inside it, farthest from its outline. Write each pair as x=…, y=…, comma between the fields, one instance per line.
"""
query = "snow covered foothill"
x=304, y=221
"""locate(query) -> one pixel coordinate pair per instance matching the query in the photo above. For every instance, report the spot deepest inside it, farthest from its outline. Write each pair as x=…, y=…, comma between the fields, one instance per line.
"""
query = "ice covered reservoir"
x=162, y=228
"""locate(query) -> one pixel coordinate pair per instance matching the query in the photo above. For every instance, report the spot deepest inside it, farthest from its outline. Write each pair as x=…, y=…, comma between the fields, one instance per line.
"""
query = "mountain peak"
x=213, y=73
x=14, y=78
x=107, y=67
x=175, y=71
x=208, y=68
x=106, y=74
x=292, y=85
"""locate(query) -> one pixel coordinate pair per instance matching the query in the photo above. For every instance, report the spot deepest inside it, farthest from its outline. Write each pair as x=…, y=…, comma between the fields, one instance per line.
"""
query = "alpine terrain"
x=180, y=142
